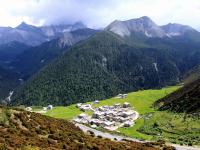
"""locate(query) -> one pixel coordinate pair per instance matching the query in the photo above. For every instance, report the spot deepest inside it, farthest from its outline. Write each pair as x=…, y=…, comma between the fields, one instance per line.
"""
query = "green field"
x=140, y=100
x=68, y=112
x=175, y=128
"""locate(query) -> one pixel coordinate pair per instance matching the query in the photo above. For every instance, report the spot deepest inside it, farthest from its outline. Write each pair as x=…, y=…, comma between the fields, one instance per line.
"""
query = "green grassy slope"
x=64, y=112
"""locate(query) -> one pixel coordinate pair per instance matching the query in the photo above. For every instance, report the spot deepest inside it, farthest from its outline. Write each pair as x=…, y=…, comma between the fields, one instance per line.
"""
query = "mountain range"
x=146, y=27
x=32, y=35
x=33, y=59
x=22, y=59
x=66, y=64
x=126, y=56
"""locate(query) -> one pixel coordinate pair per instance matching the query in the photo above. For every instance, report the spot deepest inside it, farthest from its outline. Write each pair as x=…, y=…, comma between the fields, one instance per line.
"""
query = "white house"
x=97, y=114
x=82, y=115
x=96, y=102
x=29, y=109
x=117, y=105
x=127, y=113
x=128, y=123
x=108, y=123
x=44, y=108
x=86, y=107
x=78, y=105
x=126, y=105
x=50, y=107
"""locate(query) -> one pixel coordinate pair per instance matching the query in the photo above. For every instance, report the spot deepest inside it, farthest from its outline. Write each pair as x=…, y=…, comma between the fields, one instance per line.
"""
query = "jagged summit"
x=175, y=29
x=23, y=26
x=143, y=25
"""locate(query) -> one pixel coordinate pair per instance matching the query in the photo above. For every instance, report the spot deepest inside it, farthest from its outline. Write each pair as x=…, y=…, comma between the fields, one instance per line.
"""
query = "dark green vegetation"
x=192, y=75
x=106, y=65
x=8, y=81
x=30, y=61
x=186, y=99
x=21, y=61
x=25, y=130
x=8, y=76
x=182, y=127
x=9, y=51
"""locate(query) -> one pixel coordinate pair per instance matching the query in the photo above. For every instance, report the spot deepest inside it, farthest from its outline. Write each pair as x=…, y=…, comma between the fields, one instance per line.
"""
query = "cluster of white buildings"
x=49, y=107
x=108, y=117
x=121, y=96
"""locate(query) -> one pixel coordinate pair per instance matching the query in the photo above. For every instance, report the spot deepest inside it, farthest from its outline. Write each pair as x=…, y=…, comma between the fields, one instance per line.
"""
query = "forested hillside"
x=8, y=81
x=186, y=99
x=33, y=59
x=101, y=67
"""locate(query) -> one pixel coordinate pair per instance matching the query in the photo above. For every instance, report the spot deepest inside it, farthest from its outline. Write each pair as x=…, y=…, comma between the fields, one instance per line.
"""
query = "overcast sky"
x=98, y=13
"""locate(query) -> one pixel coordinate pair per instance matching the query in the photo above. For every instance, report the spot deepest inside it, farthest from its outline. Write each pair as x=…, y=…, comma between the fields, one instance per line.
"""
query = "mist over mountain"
x=32, y=35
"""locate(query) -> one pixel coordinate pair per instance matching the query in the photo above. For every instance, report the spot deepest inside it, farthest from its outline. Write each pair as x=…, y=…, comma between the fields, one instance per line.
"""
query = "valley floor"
x=152, y=124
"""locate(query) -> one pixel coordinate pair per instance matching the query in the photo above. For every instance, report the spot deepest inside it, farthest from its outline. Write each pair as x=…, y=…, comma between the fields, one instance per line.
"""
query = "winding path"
x=119, y=137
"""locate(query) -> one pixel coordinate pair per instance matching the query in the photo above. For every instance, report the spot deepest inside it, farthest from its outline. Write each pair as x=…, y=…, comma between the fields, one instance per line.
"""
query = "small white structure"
x=44, y=108
x=82, y=115
x=96, y=102
x=97, y=114
x=122, y=96
x=126, y=105
x=108, y=123
x=86, y=107
x=128, y=123
x=50, y=107
x=29, y=109
x=117, y=105
x=78, y=105
x=125, y=95
x=94, y=126
x=96, y=121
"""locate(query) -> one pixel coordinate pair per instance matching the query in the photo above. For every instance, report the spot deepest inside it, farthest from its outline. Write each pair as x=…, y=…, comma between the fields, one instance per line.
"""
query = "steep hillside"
x=186, y=99
x=25, y=130
x=192, y=75
x=8, y=81
x=11, y=50
x=109, y=63
x=98, y=68
x=33, y=59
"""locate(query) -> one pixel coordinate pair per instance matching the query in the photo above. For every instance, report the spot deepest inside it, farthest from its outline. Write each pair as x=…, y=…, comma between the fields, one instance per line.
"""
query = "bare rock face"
x=32, y=35
x=174, y=29
x=142, y=25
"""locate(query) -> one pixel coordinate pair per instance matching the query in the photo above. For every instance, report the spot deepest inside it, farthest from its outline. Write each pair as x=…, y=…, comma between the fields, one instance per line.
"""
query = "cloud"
x=98, y=13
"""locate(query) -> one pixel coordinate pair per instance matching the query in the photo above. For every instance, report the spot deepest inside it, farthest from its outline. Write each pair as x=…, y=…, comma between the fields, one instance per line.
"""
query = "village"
x=107, y=117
